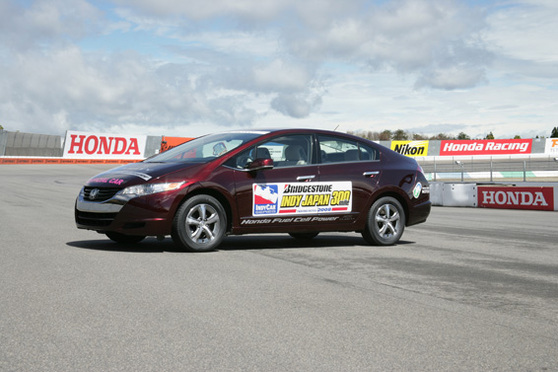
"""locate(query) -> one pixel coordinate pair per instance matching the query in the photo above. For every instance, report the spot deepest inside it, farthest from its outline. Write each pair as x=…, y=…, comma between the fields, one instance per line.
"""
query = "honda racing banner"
x=509, y=197
x=85, y=145
x=486, y=147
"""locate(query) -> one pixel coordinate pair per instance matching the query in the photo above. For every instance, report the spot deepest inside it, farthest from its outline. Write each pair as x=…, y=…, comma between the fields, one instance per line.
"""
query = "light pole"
x=461, y=165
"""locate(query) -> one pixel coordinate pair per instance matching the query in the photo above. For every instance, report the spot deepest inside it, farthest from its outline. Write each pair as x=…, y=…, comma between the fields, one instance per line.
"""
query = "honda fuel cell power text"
x=295, y=181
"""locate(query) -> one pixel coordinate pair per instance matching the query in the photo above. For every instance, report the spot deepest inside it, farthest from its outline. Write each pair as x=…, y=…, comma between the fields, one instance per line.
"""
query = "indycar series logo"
x=265, y=199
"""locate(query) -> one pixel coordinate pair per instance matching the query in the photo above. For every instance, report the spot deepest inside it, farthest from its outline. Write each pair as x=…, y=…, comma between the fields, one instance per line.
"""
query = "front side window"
x=340, y=150
x=285, y=151
x=206, y=148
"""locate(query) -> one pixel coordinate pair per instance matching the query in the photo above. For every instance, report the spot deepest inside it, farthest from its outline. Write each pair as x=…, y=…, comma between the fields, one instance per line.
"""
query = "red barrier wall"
x=507, y=197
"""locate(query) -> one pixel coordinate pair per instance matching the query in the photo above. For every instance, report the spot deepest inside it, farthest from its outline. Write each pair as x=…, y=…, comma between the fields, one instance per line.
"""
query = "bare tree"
x=419, y=137
x=440, y=137
x=385, y=135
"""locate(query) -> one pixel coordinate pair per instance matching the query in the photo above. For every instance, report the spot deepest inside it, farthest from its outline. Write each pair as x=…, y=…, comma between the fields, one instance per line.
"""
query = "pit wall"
x=81, y=147
x=76, y=147
x=95, y=148
x=533, y=196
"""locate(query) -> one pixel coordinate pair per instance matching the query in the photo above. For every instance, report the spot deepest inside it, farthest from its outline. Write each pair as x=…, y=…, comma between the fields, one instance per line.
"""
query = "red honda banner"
x=85, y=145
x=486, y=147
x=538, y=198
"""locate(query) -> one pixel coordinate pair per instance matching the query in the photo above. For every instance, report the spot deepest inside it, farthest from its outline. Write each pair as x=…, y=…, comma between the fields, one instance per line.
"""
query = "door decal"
x=271, y=199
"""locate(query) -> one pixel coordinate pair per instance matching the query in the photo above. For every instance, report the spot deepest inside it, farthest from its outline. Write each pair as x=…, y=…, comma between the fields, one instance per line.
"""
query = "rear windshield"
x=204, y=149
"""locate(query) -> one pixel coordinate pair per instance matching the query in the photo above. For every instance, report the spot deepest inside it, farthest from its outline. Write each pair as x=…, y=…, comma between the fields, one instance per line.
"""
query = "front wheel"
x=199, y=224
x=386, y=222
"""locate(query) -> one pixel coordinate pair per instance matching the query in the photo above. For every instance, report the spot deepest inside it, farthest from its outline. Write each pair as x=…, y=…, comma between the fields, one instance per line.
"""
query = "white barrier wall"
x=453, y=194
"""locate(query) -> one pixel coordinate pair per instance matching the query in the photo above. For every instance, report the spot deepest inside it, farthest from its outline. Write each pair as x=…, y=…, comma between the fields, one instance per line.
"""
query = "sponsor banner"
x=538, y=198
x=410, y=148
x=84, y=145
x=486, y=147
x=551, y=146
x=31, y=160
x=301, y=198
x=168, y=143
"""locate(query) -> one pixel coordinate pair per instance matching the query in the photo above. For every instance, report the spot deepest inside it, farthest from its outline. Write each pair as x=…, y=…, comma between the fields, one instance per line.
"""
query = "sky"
x=187, y=68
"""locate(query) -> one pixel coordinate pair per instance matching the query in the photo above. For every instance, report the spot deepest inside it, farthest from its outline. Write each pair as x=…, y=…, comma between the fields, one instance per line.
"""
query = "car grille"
x=94, y=219
x=103, y=193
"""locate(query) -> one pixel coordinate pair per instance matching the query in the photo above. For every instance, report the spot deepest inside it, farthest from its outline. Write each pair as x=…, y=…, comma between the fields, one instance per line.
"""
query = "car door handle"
x=371, y=173
x=305, y=178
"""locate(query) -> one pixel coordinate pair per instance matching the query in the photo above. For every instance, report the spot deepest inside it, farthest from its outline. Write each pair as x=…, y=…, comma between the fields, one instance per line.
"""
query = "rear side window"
x=342, y=150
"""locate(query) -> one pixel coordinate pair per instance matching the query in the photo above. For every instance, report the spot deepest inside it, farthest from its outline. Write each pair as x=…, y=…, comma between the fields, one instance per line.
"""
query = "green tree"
x=463, y=136
x=1, y=127
x=400, y=135
x=489, y=136
x=554, y=133
x=517, y=136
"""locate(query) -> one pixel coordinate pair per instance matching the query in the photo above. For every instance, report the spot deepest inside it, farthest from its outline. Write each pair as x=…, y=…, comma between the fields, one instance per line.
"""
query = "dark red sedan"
x=295, y=181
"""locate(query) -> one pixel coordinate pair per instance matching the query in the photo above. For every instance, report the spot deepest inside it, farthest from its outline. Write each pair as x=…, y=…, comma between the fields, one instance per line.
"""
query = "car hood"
x=136, y=173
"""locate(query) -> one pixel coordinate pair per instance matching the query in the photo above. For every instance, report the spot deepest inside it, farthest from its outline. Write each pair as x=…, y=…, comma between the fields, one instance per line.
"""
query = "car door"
x=353, y=166
x=264, y=198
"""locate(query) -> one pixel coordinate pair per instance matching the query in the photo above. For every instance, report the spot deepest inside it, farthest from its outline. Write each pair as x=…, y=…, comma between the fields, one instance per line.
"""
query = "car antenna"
x=336, y=128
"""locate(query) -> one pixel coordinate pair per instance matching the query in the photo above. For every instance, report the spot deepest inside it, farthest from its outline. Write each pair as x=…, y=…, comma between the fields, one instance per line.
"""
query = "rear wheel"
x=124, y=239
x=199, y=224
x=386, y=222
x=304, y=236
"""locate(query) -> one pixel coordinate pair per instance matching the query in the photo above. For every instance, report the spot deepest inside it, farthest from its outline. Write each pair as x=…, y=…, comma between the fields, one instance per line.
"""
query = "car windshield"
x=206, y=148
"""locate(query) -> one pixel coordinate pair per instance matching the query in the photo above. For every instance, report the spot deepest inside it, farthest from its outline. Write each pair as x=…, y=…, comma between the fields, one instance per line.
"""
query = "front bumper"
x=148, y=216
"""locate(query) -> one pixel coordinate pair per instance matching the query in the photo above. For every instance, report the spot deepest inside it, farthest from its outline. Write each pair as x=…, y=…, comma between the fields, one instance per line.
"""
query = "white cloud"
x=525, y=31
x=281, y=76
x=46, y=21
x=195, y=65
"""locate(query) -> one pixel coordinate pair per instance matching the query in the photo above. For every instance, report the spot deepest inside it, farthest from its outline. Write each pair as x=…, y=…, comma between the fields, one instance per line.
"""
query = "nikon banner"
x=410, y=148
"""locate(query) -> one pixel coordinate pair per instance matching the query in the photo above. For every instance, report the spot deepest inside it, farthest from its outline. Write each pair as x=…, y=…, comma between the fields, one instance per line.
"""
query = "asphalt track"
x=470, y=290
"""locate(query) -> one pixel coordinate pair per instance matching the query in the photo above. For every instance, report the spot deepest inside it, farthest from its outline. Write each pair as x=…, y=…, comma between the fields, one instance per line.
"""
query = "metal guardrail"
x=471, y=169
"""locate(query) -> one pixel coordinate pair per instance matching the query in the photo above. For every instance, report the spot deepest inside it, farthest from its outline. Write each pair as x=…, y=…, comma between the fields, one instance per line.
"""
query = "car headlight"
x=149, y=188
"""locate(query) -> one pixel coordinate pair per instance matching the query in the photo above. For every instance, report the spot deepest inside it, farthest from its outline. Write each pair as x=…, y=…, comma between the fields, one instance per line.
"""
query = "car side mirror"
x=260, y=164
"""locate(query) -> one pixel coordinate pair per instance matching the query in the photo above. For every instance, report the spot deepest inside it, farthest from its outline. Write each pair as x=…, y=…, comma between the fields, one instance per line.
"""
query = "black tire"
x=124, y=239
x=304, y=236
x=386, y=222
x=200, y=224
